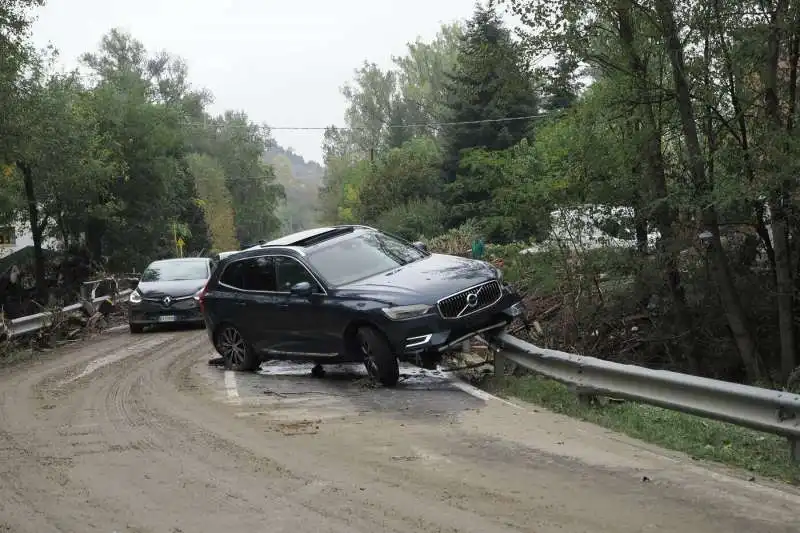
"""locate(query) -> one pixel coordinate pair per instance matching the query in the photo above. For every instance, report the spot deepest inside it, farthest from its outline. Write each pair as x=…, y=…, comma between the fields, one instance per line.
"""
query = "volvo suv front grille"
x=470, y=300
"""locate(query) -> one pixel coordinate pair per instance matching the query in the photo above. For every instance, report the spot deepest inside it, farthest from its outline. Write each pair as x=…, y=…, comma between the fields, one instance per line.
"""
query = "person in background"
x=478, y=248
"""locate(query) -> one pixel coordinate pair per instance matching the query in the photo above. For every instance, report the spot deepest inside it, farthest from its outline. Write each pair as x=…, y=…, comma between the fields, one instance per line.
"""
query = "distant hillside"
x=302, y=180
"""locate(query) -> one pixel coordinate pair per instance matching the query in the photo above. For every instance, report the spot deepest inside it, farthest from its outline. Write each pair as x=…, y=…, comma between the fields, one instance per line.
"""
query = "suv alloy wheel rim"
x=369, y=361
x=232, y=346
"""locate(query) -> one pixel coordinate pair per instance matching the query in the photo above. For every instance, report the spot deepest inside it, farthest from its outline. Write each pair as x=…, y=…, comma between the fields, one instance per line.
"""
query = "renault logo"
x=472, y=299
x=166, y=301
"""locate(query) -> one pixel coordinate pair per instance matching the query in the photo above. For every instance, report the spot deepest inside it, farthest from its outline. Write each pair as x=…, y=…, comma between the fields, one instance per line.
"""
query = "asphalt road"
x=139, y=434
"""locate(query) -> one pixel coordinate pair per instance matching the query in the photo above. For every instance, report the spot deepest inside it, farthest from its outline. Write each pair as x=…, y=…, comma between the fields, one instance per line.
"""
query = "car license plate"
x=167, y=318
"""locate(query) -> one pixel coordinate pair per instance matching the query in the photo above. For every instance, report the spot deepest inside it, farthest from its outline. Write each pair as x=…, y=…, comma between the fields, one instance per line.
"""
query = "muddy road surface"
x=139, y=434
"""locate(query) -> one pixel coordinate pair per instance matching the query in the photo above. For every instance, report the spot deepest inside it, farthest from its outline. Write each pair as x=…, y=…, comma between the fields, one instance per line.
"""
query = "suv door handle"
x=241, y=303
x=283, y=306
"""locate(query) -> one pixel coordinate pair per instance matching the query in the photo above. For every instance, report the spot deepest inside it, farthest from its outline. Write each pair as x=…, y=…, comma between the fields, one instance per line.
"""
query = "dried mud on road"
x=138, y=434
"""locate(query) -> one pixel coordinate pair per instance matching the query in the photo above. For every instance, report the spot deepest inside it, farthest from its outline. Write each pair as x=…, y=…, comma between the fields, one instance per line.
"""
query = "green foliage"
x=760, y=453
x=687, y=127
x=409, y=172
x=491, y=81
x=215, y=201
x=488, y=188
x=238, y=145
x=301, y=180
x=414, y=219
x=455, y=241
x=422, y=76
x=123, y=165
x=387, y=163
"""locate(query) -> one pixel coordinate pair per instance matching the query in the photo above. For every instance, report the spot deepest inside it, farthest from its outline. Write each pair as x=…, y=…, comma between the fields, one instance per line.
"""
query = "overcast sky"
x=280, y=61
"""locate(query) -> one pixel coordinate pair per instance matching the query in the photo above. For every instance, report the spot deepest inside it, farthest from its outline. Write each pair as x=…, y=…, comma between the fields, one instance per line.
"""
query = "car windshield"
x=362, y=256
x=175, y=271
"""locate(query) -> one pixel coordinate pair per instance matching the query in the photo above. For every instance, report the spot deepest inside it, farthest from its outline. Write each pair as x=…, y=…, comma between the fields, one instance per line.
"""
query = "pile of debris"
x=64, y=274
x=67, y=326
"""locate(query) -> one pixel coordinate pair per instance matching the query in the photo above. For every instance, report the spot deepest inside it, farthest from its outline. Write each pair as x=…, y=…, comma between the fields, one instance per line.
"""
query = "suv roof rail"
x=311, y=237
x=311, y=240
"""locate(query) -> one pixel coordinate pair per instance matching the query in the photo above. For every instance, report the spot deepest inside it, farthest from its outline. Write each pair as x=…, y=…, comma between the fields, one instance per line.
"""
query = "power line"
x=416, y=125
x=264, y=126
x=365, y=128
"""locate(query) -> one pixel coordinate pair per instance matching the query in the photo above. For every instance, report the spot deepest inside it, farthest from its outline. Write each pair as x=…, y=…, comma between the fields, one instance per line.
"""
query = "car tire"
x=379, y=359
x=236, y=352
x=136, y=328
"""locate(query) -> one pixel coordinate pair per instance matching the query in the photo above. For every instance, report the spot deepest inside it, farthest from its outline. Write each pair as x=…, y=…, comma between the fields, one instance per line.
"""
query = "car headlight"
x=499, y=274
x=404, y=312
x=135, y=297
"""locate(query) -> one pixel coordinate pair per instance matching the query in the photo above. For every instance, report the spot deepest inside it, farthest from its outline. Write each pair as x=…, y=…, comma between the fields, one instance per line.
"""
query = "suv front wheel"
x=235, y=351
x=382, y=364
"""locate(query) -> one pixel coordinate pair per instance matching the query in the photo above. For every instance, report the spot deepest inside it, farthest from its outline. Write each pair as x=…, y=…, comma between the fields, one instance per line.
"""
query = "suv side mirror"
x=302, y=289
x=421, y=246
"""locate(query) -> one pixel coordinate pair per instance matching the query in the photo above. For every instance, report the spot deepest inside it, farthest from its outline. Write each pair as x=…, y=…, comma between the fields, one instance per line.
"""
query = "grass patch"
x=700, y=438
x=11, y=354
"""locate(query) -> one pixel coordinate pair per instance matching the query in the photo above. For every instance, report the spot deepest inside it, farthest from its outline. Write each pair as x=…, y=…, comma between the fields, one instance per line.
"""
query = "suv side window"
x=232, y=275
x=258, y=274
x=291, y=272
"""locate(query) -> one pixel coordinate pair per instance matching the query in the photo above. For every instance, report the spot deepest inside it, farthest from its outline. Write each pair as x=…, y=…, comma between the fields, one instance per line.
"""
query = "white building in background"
x=17, y=236
x=582, y=228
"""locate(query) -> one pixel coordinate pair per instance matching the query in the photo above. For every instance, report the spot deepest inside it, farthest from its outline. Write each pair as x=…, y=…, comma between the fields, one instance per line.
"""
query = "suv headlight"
x=135, y=297
x=404, y=312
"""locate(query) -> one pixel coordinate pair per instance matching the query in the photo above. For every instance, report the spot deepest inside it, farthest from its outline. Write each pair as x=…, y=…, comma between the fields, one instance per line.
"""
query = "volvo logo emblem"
x=166, y=301
x=472, y=299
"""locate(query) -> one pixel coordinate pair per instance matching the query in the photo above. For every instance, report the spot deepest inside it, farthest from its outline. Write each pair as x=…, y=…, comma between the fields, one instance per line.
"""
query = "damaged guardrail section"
x=89, y=302
x=767, y=410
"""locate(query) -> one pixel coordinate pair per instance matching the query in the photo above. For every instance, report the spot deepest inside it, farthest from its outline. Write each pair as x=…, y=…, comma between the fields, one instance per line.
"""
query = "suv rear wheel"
x=235, y=351
x=382, y=364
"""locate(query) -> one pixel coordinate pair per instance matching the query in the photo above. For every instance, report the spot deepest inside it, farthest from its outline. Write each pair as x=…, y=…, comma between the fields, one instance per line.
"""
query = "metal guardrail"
x=767, y=410
x=31, y=323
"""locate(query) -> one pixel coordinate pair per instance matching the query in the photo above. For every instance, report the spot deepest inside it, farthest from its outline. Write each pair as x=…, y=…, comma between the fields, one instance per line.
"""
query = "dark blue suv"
x=347, y=294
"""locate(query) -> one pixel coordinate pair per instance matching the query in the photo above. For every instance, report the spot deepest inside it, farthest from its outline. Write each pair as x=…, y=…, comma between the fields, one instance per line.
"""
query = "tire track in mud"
x=116, y=398
x=141, y=442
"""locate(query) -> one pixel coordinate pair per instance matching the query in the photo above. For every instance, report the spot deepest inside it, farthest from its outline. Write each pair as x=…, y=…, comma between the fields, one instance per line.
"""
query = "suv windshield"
x=362, y=256
x=176, y=271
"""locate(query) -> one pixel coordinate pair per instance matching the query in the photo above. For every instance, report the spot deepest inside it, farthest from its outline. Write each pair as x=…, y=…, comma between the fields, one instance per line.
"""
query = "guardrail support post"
x=500, y=364
x=794, y=449
x=586, y=396
x=86, y=291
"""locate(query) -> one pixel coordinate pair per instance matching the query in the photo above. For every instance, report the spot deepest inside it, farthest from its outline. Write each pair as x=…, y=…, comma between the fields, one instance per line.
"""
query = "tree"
x=684, y=141
x=238, y=145
x=59, y=158
x=422, y=76
x=409, y=172
x=491, y=84
x=371, y=104
x=215, y=201
x=386, y=109
x=16, y=54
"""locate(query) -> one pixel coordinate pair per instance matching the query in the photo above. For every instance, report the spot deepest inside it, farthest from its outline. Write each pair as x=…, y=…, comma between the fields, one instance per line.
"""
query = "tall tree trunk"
x=36, y=232
x=734, y=312
x=743, y=136
x=779, y=201
x=94, y=238
x=663, y=215
x=62, y=229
